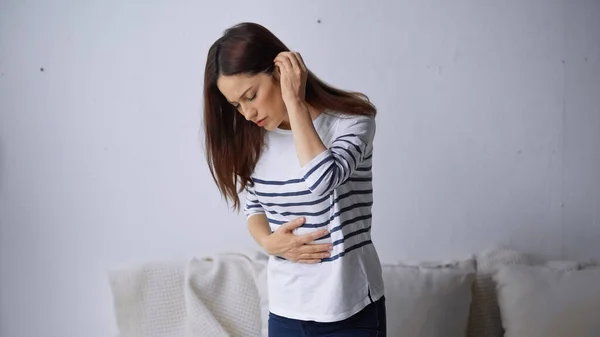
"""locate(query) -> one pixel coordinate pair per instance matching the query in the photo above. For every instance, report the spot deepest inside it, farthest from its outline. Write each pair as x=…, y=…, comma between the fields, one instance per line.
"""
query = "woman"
x=302, y=151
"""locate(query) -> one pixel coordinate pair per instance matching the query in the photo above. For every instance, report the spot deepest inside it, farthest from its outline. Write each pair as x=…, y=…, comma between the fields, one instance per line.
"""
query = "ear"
x=276, y=73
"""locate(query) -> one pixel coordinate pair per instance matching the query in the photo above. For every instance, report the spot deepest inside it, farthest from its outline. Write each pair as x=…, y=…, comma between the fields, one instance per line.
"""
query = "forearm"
x=259, y=228
x=307, y=140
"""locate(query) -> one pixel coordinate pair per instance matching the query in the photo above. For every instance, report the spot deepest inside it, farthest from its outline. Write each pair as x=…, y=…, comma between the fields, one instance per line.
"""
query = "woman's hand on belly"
x=284, y=243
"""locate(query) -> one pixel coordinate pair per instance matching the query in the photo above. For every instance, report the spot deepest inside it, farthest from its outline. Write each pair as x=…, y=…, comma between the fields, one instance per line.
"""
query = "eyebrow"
x=242, y=95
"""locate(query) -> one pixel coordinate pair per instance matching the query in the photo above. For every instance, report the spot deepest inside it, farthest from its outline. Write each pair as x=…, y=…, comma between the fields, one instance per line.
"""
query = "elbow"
x=325, y=183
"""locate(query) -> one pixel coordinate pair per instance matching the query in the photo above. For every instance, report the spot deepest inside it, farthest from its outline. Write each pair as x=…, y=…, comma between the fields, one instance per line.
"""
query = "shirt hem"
x=375, y=296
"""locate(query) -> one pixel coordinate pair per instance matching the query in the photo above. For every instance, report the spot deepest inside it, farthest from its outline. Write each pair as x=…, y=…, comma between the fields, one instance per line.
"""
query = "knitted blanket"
x=216, y=296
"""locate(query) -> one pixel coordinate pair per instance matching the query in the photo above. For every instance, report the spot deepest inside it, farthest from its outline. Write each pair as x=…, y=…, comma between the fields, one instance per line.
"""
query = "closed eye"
x=248, y=99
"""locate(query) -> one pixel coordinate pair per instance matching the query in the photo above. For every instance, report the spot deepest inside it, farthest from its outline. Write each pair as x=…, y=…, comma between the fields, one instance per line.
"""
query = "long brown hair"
x=233, y=145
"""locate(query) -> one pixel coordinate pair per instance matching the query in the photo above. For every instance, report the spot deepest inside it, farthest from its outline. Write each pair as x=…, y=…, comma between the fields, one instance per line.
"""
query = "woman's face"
x=257, y=98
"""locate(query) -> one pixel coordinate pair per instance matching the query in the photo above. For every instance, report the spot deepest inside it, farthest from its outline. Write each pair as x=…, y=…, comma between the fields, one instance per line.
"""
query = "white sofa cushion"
x=546, y=301
x=484, y=317
x=428, y=299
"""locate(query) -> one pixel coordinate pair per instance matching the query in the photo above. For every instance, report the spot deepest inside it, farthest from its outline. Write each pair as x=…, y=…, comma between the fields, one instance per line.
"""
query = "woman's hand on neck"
x=302, y=108
x=308, y=142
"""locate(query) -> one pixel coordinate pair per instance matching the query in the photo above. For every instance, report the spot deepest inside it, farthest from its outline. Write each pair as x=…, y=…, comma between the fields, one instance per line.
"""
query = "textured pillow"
x=484, y=317
x=544, y=301
x=428, y=300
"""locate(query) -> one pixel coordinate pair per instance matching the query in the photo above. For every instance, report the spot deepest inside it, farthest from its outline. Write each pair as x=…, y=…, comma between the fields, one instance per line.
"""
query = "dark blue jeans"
x=369, y=322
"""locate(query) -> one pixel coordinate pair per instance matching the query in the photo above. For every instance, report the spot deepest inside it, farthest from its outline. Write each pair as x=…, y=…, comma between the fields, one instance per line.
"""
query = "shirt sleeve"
x=349, y=148
x=251, y=205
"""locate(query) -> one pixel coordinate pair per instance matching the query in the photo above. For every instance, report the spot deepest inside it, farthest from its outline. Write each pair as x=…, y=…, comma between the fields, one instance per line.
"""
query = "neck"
x=314, y=113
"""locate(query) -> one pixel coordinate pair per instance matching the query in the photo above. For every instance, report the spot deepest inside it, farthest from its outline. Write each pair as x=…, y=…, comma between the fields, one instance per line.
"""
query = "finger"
x=316, y=248
x=300, y=61
x=279, y=56
x=310, y=237
x=283, y=69
x=282, y=56
x=294, y=61
x=285, y=60
x=314, y=256
x=289, y=226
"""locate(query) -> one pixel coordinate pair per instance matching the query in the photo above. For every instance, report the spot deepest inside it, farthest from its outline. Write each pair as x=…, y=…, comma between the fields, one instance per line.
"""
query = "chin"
x=271, y=126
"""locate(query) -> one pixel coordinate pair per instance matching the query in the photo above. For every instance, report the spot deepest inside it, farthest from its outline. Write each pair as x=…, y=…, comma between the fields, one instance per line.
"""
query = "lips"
x=261, y=122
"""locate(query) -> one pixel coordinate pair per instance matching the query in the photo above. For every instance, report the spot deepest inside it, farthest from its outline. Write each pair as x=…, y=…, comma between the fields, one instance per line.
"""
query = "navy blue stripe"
x=329, y=185
x=347, y=222
x=347, y=151
x=339, y=171
x=328, y=208
x=369, y=157
x=347, y=135
x=360, y=179
x=323, y=175
x=366, y=179
x=302, y=213
x=349, y=142
x=335, y=257
x=317, y=225
x=327, y=159
x=335, y=215
x=338, y=156
x=277, y=222
x=296, y=181
x=253, y=206
x=355, y=233
x=276, y=182
x=292, y=204
x=347, y=194
x=366, y=168
x=286, y=194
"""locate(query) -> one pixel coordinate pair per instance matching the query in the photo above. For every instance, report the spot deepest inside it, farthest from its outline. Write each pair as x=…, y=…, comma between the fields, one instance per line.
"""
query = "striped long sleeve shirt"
x=333, y=191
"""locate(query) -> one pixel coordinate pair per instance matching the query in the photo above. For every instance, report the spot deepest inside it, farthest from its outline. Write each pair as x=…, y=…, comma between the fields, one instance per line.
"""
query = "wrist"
x=263, y=242
x=295, y=105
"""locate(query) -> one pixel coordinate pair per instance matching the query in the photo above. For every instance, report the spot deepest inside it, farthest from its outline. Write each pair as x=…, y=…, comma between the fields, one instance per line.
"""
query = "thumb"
x=290, y=226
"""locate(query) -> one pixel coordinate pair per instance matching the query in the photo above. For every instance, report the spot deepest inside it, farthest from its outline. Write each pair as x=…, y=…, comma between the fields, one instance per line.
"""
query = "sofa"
x=497, y=292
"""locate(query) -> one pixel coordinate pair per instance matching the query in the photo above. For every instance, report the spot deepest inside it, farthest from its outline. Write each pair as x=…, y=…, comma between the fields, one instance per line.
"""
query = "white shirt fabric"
x=332, y=191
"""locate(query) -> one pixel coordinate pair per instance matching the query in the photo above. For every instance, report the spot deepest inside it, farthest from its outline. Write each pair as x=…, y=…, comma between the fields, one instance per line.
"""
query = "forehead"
x=232, y=87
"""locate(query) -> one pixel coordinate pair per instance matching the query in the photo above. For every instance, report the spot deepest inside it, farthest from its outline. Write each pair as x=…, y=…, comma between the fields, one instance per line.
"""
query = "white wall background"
x=488, y=134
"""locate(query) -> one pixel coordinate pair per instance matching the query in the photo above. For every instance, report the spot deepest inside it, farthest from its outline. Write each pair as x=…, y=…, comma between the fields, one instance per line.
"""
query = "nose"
x=249, y=113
